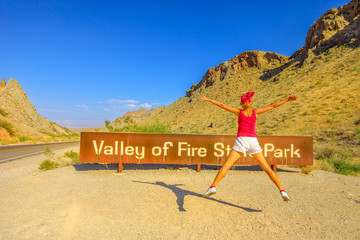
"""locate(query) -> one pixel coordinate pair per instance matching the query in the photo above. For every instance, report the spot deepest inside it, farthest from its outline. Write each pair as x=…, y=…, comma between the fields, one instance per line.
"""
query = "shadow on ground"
x=181, y=193
x=114, y=166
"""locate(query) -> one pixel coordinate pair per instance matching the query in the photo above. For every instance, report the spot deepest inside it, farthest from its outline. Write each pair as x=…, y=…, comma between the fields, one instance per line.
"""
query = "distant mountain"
x=325, y=73
x=19, y=119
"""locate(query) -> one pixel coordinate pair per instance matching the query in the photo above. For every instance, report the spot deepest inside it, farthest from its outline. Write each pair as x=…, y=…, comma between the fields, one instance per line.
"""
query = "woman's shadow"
x=181, y=193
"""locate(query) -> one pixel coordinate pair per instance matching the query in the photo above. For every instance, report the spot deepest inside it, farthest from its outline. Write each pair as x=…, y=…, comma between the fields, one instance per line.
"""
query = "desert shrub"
x=107, y=122
x=335, y=159
x=48, y=164
x=357, y=133
x=308, y=168
x=7, y=126
x=74, y=156
x=3, y=113
x=318, y=164
x=156, y=127
x=109, y=127
x=330, y=151
x=49, y=153
x=47, y=133
x=24, y=138
x=343, y=167
x=129, y=125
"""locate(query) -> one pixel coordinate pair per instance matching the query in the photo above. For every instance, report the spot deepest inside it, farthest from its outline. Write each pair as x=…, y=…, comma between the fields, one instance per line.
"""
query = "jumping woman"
x=246, y=141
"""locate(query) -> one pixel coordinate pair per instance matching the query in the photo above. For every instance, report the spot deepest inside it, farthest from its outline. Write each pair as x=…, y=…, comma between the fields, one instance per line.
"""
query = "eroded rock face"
x=2, y=84
x=22, y=113
x=241, y=62
x=337, y=26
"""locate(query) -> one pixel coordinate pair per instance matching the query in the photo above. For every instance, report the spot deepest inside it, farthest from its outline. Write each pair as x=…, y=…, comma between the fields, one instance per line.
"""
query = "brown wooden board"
x=141, y=148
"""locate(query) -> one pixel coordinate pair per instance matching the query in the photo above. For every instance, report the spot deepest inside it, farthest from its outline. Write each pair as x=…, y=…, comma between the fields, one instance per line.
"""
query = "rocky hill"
x=325, y=73
x=19, y=120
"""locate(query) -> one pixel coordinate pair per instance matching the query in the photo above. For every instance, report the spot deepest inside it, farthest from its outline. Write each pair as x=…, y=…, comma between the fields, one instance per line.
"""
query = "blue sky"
x=84, y=62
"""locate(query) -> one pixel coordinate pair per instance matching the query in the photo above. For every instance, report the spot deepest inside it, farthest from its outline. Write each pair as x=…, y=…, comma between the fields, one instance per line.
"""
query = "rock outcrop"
x=22, y=114
x=241, y=62
x=336, y=27
x=2, y=85
x=141, y=113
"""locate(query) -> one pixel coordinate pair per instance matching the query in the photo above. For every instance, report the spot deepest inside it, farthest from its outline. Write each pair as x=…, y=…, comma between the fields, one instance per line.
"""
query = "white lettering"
x=108, y=150
x=228, y=150
x=180, y=148
x=116, y=147
x=156, y=151
x=129, y=150
x=296, y=152
x=219, y=152
x=140, y=155
x=98, y=149
x=122, y=148
x=268, y=148
x=202, y=152
x=191, y=151
x=278, y=153
x=166, y=147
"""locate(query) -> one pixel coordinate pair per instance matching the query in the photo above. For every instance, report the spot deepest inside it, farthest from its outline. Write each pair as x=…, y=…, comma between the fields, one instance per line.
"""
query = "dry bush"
x=319, y=165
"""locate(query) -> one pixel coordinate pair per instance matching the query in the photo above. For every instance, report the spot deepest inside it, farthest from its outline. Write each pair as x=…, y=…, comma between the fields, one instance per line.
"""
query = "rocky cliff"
x=18, y=114
x=240, y=63
x=336, y=27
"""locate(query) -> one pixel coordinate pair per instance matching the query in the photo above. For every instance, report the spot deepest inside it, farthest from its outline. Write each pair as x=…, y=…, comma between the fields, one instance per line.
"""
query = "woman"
x=246, y=141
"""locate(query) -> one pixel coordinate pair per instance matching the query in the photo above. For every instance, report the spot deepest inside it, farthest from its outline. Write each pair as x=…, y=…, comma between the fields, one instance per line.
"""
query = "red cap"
x=247, y=97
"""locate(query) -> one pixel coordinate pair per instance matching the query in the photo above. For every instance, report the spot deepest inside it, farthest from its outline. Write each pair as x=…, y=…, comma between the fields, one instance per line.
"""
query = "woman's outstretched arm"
x=277, y=104
x=219, y=104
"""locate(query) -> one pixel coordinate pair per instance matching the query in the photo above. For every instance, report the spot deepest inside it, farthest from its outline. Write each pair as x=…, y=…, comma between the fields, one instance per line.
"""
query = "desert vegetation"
x=3, y=112
x=129, y=125
x=52, y=161
x=7, y=126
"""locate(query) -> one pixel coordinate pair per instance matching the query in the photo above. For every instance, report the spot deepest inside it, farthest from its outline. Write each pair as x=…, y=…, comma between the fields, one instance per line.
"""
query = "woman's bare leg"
x=233, y=156
x=265, y=166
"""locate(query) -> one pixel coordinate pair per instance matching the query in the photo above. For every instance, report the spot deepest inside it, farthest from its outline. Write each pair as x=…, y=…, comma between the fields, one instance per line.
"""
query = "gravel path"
x=91, y=202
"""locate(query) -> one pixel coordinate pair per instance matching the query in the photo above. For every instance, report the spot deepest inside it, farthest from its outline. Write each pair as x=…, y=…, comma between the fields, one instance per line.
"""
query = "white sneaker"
x=209, y=192
x=284, y=195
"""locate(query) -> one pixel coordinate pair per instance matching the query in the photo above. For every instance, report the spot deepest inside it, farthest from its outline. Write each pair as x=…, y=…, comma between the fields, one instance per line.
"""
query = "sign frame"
x=188, y=149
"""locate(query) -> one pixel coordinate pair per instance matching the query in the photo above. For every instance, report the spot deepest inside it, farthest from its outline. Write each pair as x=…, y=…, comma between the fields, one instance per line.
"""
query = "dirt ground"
x=151, y=202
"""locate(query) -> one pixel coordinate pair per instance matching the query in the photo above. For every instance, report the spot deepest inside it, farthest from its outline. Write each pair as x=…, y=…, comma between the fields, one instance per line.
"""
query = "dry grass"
x=319, y=165
x=54, y=161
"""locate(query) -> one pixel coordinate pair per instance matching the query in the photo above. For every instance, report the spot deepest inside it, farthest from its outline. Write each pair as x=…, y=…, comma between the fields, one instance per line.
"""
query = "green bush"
x=358, y=133
x=74, y=156
x=343, y=167
x=131, y=126
x=3, y=113
x=7, y=126
x=49, y=153
x=24, y=138
x=156, y=127
x=48, y=164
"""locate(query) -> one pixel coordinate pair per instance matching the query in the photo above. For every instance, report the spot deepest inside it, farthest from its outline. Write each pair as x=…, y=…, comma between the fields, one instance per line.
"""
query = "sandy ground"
x=148, y=202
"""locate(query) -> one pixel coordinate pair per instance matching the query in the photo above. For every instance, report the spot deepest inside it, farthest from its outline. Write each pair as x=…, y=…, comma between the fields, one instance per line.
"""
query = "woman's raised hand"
x=203, y=97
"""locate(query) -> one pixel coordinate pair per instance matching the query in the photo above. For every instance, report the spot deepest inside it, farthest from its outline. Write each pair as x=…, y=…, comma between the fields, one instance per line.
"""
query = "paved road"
x=12, y=152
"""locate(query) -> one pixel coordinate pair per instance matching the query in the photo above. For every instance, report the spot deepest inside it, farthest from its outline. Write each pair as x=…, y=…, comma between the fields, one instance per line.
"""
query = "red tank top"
x=246, y=125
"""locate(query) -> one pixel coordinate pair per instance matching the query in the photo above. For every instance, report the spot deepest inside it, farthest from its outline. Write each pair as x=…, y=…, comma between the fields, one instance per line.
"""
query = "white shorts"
x=247, y=145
